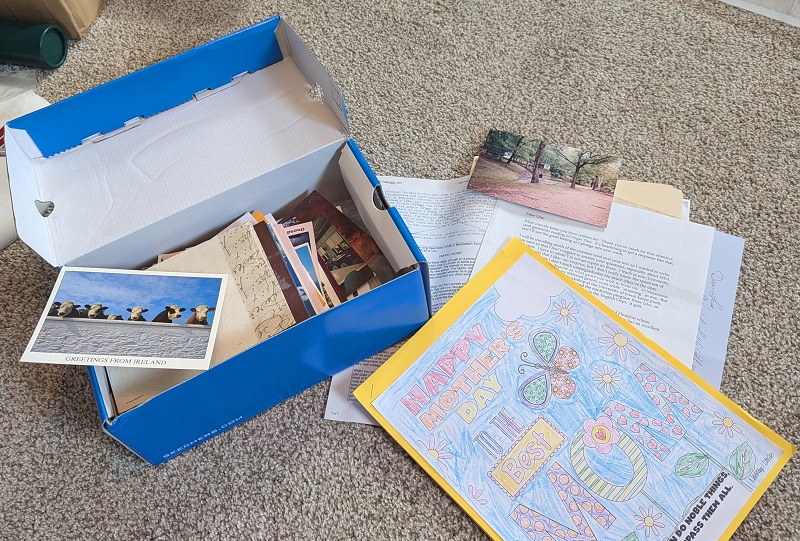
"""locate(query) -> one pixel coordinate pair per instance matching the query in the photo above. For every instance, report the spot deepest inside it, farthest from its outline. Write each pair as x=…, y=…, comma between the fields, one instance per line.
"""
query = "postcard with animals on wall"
x=129, y=319
x=546, y=416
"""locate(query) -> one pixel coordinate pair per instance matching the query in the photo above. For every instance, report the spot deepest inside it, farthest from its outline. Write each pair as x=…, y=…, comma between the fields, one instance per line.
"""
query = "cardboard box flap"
x=384, y=222
x=315, y=73
x=118, y=183
x=80, y=14
x=29, y=228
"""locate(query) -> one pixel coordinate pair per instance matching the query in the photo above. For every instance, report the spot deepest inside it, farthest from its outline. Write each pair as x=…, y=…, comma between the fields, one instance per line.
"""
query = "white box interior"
x=260, y=142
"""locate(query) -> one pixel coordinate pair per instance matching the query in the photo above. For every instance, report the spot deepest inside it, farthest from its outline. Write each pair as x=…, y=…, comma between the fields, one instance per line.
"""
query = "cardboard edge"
x=98, y=377
x=24, y=188
x=74, y=17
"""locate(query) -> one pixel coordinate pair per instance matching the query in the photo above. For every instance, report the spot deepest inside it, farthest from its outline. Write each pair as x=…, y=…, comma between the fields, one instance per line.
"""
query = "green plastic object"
x=39, y=45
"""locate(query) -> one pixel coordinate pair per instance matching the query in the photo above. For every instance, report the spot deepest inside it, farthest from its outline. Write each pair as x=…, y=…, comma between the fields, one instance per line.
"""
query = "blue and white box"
x=164, y=158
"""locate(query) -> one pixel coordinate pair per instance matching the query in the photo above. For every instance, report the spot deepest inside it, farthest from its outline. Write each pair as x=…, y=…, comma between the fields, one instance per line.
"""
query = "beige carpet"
x=691, y=92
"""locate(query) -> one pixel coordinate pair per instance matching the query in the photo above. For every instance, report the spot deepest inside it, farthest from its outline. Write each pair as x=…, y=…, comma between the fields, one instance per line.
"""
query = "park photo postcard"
x=129, y=319
x=566, y=181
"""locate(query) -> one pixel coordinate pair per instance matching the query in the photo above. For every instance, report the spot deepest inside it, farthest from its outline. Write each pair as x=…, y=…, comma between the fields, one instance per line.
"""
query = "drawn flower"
x=435, y=450
x=648, y=520
x=618, y=342
x=606, y=378
x=725, y=424
x=564, y=311
x=600, y=434
x=476, y=495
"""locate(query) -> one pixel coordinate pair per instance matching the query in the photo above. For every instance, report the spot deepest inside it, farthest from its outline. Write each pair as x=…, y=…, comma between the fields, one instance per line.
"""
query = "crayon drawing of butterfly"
x=554, y=362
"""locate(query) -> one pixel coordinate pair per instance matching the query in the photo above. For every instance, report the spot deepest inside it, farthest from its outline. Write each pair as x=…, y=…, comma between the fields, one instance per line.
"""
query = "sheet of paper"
x=8, y=229
x=447, y=221
x=16, y=99
x=717, y=310
x=649, y=268
x=715, y=319
x=342, y=405
x=545, y=415
x=661, y=198
x=787, y=11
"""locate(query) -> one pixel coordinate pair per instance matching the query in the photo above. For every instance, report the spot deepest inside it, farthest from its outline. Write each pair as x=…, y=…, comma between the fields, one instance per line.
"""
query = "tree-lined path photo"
x=566, y=181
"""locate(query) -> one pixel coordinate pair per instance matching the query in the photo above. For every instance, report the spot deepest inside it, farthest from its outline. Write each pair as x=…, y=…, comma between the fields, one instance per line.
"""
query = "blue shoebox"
x=167, y=156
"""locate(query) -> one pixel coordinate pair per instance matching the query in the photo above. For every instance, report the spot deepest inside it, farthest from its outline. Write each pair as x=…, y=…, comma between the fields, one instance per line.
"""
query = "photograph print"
x=343, y=266
x=566, y=181
x=344, y=250
x=129, y=318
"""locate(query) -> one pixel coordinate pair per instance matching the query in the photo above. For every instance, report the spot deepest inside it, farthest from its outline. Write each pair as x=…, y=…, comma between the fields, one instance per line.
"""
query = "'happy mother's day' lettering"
x=458, y=380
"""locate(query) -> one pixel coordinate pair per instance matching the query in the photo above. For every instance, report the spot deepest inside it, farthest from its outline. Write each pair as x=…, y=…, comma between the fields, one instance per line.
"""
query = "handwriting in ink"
x=256, y=282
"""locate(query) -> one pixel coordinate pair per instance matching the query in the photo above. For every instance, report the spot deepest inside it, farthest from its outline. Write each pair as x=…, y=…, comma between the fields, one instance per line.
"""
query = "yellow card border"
x=376, y=384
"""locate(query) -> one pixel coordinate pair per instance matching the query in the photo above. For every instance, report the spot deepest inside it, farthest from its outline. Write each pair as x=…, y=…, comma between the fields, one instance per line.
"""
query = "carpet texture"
x=694, y=93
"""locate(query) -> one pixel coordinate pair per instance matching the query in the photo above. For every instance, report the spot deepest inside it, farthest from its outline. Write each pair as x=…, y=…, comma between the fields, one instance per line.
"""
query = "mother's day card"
x=545, y=415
